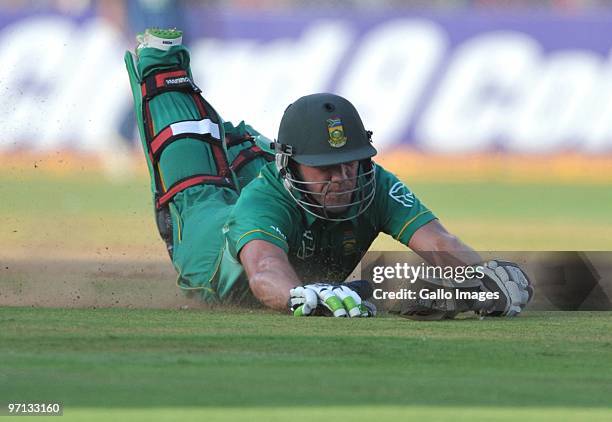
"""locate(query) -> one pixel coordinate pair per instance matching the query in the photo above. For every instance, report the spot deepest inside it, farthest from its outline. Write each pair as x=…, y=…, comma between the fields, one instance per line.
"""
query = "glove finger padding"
x=350, y=300
x=302, y=301
x=521, y=279
x=512, y=284
x=328, y=298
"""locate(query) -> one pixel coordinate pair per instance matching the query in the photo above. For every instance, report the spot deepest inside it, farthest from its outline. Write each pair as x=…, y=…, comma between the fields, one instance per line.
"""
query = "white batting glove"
x=513, y=285
x=340, y=300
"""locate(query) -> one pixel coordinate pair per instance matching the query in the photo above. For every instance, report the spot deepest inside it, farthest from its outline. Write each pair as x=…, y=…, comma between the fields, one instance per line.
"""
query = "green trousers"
x=197, y=213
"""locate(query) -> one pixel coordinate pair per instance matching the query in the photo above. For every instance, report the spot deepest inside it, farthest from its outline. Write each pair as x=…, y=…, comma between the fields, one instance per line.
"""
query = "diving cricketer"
x=248, y=220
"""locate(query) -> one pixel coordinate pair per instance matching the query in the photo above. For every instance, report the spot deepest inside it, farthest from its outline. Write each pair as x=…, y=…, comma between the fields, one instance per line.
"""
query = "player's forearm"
x=439, y=247
x=448, y=250
x=272, y=281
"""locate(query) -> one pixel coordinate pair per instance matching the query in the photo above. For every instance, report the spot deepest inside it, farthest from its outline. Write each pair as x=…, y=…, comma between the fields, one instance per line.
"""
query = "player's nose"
x=341, y=172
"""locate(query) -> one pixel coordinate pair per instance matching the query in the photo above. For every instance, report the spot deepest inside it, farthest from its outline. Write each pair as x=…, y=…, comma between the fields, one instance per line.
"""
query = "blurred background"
x=496, y=113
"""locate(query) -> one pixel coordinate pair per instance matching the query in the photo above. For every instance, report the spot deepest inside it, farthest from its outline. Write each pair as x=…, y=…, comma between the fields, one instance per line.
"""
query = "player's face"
x=334, y=184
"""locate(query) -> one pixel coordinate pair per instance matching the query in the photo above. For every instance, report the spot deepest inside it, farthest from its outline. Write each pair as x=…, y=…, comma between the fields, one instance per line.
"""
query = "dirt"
x=150, y=282
x=91, y=282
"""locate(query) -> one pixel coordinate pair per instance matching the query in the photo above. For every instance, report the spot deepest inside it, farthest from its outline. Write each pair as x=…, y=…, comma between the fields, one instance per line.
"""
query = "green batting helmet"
x=322, y=130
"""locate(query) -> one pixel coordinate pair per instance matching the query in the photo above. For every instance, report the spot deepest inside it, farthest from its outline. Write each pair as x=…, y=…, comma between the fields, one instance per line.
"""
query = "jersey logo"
x=400, y=193
x=280, y=233
x=308, y=246
x=336, y=132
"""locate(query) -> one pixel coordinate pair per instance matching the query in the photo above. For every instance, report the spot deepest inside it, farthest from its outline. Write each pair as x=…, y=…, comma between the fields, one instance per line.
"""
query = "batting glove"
x=338, y=300
x=512, y=284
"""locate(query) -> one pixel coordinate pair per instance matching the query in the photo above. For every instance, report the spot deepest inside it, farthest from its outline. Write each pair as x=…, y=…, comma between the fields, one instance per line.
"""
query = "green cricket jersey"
x=321, y=250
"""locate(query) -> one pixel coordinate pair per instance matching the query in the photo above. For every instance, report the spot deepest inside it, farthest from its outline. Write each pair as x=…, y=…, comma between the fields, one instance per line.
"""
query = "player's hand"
x=513, y=285
x=338, y=300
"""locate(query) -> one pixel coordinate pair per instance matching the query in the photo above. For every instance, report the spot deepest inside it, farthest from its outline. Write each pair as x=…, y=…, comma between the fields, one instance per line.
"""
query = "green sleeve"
x=255, y=218
x=399, y=211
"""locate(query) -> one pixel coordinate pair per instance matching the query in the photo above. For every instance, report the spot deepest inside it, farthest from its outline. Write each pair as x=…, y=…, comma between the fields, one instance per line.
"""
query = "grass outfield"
x=39, y=209
x=86, y=234
x=254, y=365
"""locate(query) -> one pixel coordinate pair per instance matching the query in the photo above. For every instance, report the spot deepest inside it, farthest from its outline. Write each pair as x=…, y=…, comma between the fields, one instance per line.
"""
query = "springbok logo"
x=400, y=193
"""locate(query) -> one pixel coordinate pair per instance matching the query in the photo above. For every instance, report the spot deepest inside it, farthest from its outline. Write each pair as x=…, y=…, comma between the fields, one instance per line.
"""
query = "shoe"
x=162, y=39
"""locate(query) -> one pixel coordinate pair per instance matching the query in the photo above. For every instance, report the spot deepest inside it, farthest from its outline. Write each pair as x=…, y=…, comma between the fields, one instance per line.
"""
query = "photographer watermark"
x=412, y=273
x=563, y=280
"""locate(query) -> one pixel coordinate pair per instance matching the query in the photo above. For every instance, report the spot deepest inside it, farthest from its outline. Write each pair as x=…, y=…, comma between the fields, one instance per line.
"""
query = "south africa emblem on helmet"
x=336, y=132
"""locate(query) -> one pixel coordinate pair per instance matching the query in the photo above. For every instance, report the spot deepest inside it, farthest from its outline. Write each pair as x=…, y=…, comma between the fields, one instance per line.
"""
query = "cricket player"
x=283, y=223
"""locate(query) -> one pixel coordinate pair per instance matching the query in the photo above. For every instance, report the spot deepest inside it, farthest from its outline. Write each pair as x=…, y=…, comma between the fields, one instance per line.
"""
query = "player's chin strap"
x=364, y=191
